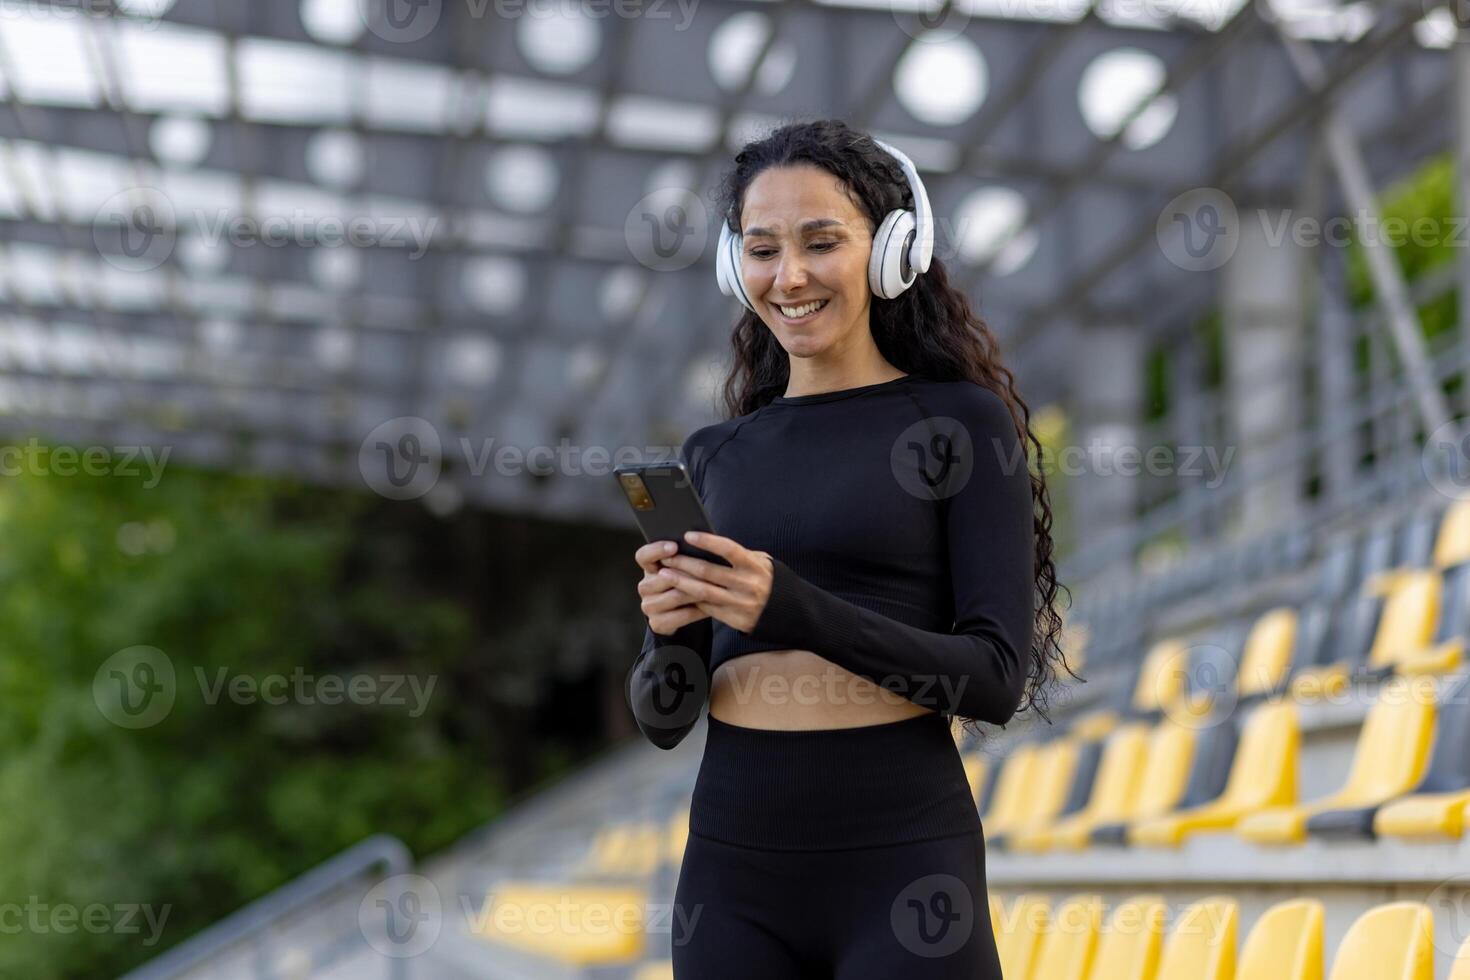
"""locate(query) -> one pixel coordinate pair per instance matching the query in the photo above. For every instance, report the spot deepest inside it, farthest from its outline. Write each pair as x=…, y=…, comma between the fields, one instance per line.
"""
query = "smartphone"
x=665, y=504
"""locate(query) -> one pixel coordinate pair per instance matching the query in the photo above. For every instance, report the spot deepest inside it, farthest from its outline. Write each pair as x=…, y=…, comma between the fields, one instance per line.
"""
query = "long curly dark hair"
x=953, y=344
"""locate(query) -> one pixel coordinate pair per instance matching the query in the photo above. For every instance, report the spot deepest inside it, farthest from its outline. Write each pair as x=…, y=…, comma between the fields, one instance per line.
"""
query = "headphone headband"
x=903, y=243
x=923, y=248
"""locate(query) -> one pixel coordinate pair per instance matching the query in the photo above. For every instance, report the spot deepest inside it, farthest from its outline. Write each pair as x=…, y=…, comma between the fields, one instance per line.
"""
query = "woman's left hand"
x=737, y=595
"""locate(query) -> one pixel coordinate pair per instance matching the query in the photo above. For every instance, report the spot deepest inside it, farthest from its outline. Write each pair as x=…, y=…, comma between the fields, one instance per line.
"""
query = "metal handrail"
x=379, y=850
x=1300, y=445
x=1431, y=285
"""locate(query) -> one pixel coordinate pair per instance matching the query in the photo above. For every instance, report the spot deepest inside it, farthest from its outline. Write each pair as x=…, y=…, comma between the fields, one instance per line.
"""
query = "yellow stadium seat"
x=678, y=836
x=1161, y=681
x=1069, y=944
x=1114, y=789
x=1392, y=751
x=625, y=850
x=1285, y=943
x=1094, y=724
x=1409, y=617
x=1437, y=806
x=1132, y=941
x=1201, y=945
x=997, y=910
x=1452, y=544
x=1046, y=791
x=1460, y=969
x=1010, y=797
x=660, y=970
x=1263, y=774
x=1405, y=632
x=977, y=764
x=1266, y=658
x=1165, y=777
x=1426, y=815
x=1390, y=942
x=578, y=925
x=1019, y=930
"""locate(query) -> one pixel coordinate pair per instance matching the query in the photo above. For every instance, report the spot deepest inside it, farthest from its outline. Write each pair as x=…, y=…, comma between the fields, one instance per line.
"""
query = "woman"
x=887, y=544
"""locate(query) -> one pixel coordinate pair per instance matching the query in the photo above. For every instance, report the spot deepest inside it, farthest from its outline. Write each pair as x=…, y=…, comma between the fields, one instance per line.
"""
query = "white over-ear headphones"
x=902, y=245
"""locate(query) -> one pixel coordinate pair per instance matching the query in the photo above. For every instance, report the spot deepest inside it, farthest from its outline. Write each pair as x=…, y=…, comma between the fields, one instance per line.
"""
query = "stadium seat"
x=1351, y=625
x=1043, y=794
x=977, y=765
x=1069, y=944
x=1285, y=943
x=625, y=851
x=1391, y=753
x=1437, y=806
x=1012, y=787
x=1019, y=931
x=1413, y=548
x=1405, y=626
x=1161, y=677
x=1263, y=774
x=1173, y=751
x=1337, y=568
x=1267, y=655
x=1390, y=942
x=1113, y=790
x=576, y=925
x=1094, y=724
x=658, y=970
x=1452, y=543
x=1132, y=941
x=677, y=831
x=1447, y=651
x=1408, y=621
x=1460, y=968
x=1201, y=945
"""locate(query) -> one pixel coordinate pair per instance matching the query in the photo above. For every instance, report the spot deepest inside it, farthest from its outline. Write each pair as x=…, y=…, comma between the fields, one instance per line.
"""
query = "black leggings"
x=834, y=854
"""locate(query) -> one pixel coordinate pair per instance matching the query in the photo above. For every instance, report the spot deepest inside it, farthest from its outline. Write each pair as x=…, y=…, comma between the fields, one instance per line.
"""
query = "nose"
x=790, y=272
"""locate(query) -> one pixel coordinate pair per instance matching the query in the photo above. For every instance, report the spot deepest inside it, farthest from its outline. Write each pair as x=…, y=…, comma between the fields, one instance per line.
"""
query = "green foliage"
x=1416, y=217
x=216, y=803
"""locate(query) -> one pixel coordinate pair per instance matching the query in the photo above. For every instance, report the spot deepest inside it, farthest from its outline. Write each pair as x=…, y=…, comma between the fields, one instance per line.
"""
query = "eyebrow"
x=810, y=225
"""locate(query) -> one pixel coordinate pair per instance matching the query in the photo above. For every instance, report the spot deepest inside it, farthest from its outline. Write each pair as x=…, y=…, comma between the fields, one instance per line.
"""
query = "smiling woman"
x=889, y=566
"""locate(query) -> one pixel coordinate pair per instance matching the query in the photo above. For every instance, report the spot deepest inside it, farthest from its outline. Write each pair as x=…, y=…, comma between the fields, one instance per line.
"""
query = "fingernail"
x=669, y=546
x=691, y=536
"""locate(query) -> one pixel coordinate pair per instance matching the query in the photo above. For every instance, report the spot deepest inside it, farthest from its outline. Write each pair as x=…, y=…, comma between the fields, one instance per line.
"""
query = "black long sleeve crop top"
x=899, y=519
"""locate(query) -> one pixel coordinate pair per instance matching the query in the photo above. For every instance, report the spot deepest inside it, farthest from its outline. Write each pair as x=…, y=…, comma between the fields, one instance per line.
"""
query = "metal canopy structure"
x=257, y=232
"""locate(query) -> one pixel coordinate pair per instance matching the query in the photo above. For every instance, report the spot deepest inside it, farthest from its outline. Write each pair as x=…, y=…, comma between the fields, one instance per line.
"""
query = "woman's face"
x=805, y=241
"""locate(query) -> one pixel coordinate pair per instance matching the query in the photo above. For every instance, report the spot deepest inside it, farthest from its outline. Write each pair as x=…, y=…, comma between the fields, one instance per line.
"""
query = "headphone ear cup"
x=727, y=266
x=887, y=262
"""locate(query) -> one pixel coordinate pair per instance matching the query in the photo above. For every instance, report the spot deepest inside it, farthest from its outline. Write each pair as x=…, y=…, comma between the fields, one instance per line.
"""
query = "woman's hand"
x=737, y=595
x=666, y=607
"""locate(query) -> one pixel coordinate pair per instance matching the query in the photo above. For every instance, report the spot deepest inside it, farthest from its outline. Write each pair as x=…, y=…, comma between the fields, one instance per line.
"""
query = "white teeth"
x=797, y=312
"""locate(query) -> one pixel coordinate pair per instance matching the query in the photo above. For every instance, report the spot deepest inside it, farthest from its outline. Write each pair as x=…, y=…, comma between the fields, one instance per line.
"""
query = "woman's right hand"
x=665, y=604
